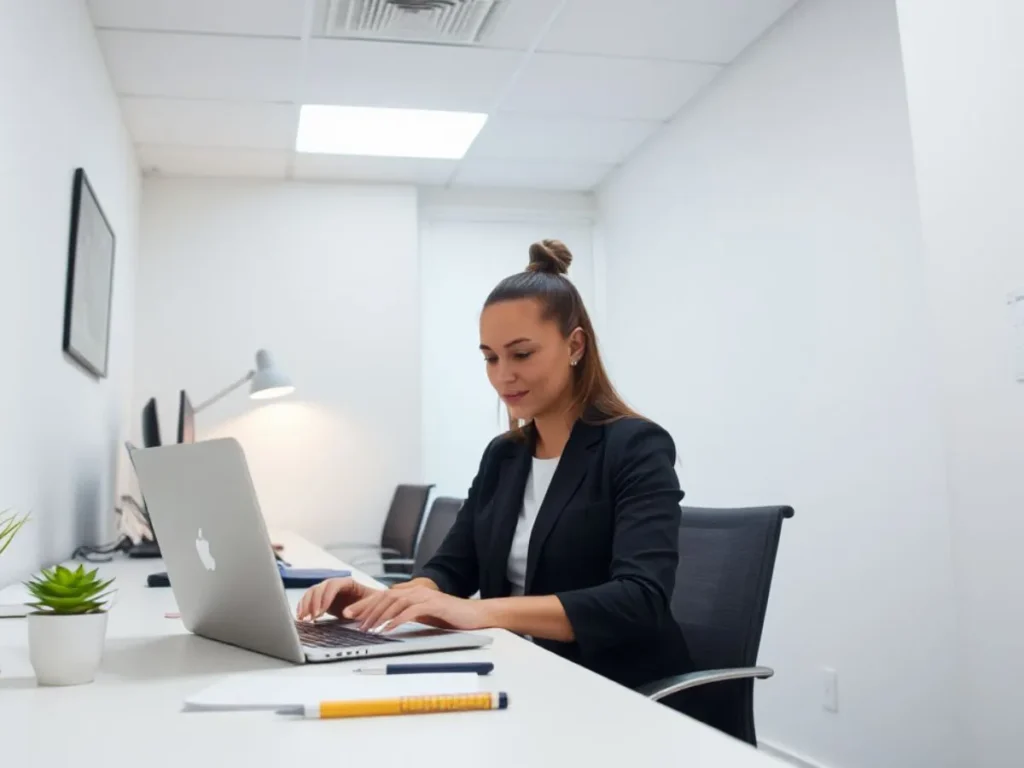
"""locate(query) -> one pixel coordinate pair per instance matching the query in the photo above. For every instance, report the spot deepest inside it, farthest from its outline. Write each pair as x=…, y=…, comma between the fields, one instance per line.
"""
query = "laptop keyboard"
x=334, y=634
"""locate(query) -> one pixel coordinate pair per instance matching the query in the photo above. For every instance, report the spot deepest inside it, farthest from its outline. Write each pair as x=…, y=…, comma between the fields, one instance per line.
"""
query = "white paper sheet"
x=281, y=689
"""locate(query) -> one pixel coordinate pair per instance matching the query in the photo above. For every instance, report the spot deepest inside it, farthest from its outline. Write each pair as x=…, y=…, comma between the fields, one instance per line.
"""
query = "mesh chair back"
x=440, y=519
x=726, y=559
x=405, y=515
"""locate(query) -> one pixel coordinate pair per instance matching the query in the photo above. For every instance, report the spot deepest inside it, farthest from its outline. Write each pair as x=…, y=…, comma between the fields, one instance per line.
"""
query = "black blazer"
x=605, y=542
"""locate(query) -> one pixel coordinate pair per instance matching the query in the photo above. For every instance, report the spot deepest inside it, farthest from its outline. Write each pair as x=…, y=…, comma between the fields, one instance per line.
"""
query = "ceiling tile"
x=210, y=123
x=212, y=162
x=201, y=66
x=508, y=135
x=530, y=175
x=371, y=74
x=236, y=17
x=519, y=23
x=594, y=86
x=683, y=30
x=390, y=169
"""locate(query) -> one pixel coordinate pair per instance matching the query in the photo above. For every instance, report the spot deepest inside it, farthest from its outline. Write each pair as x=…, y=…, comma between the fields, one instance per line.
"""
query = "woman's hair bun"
x=549, y=256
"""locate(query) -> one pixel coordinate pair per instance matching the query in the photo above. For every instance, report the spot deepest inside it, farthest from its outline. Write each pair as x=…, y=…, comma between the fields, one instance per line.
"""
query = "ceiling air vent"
x=458, y=22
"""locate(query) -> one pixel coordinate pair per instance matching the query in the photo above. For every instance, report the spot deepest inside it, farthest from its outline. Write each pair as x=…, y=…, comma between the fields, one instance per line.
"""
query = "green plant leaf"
x=61, y=603
x=9, y=527
x=55, y=590
x=99, y=587
x=60, y=590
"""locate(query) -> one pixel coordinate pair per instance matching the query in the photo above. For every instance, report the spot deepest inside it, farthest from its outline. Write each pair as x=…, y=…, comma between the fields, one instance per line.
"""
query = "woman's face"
x=528, y=360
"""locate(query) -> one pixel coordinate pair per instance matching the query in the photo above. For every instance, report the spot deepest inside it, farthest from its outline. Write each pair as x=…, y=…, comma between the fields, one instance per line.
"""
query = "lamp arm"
x=224, y=392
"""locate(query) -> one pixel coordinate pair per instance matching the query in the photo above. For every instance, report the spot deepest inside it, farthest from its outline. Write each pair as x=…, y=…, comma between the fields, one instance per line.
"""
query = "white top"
x=537, y=484
x=151, y=665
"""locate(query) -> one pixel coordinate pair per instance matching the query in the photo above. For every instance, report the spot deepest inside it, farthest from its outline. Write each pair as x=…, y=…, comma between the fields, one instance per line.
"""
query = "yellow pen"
x=403, y=705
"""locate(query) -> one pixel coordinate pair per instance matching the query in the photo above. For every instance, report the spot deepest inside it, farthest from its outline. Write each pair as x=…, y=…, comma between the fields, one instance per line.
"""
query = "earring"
x=573, y=363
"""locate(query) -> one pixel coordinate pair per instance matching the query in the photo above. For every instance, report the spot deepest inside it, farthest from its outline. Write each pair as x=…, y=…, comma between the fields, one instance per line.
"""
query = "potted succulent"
x=69, y=625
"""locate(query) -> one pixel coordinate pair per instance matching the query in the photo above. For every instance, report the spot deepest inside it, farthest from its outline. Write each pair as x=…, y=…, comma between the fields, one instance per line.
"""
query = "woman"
x=570, y=529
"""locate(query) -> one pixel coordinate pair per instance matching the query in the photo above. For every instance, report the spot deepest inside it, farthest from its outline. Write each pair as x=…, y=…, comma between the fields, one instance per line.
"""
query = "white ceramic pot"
x=66, y=650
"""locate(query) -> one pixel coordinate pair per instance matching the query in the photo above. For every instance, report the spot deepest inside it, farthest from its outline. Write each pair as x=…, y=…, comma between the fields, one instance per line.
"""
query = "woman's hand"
x=331, y=596
x=417, y=603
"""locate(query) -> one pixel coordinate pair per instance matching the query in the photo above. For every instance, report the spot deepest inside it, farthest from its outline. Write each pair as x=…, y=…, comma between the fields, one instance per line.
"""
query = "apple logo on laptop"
x=203, y=548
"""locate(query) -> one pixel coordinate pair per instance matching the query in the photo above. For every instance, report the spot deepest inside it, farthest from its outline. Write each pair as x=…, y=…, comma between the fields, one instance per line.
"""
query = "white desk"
x=559, y=714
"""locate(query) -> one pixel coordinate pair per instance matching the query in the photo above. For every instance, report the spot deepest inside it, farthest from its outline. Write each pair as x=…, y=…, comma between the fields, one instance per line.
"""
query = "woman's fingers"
x=371, y=617
x=308, y=602
x=330, y=592
x=303, y=607
x=317, y=600
x=359, y=607
x=396, y=607
x=419, y=612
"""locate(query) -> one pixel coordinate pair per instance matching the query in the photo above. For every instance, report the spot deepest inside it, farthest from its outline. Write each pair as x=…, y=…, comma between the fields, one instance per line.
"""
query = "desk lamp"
x=265, y=383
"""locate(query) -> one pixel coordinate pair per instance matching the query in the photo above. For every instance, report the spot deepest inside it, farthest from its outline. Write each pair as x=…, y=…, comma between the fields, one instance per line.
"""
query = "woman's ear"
x=577, y=344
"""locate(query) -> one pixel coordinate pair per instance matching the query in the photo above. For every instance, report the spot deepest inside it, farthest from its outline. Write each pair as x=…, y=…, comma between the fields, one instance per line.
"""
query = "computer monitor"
x=150, y=425
x=146, y=548
x=186, y=419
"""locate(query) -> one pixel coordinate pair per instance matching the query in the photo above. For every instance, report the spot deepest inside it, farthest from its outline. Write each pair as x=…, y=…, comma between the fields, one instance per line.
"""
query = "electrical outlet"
x=829, y=689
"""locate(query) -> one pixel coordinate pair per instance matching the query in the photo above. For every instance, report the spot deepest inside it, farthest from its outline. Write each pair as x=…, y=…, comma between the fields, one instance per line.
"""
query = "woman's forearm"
x=542, y=617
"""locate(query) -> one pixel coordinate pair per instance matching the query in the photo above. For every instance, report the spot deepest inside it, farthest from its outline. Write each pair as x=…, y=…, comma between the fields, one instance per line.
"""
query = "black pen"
x=479, y=668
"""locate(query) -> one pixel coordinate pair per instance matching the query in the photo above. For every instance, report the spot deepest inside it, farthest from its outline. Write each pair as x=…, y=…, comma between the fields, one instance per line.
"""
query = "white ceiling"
x=572, y=87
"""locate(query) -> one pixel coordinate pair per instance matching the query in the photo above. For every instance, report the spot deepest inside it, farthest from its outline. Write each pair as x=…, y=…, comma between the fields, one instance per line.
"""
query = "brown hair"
x=544, y=280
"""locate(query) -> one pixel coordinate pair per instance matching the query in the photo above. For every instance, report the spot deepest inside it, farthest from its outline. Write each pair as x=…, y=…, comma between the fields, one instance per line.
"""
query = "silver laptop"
x=222, y=569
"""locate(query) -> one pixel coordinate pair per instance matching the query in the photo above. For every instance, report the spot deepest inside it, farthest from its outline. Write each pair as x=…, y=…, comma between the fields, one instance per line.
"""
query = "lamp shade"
x=267, y=380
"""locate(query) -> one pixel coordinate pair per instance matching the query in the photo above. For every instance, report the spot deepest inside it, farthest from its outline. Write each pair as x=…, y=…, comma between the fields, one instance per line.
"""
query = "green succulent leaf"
x=61, y=590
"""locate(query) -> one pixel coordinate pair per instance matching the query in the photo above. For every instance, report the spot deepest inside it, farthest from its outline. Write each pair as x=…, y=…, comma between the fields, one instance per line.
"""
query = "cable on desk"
x=103, y=553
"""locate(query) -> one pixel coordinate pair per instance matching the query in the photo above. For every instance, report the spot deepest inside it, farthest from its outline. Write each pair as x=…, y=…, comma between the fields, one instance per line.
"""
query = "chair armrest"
x=359, y=546
x=659, y=689
x=392, y=578
x=379, y=559
x=352, y=545
x=386, y=561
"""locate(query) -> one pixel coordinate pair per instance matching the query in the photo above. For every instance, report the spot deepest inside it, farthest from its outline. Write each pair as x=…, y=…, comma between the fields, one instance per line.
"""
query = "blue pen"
x=479, y=668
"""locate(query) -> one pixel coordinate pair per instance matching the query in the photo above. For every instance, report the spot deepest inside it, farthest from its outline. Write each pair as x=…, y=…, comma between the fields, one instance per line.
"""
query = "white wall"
x=466, y=250
x=766, y=302
x=964, y=63
x=60, y=428
x=326, y=278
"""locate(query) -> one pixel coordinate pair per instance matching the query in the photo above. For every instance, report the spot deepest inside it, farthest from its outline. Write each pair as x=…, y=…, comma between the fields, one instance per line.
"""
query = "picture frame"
x=92, y=245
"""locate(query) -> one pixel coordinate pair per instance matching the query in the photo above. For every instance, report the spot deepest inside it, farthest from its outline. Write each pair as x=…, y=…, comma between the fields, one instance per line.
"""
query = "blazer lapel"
x=508, y=499
x=572, y=468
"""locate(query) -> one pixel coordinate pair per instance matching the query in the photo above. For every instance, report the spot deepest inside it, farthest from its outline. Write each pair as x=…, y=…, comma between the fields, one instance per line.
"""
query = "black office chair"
x=726, y=560
x=401, y=528
x=440, y=520
x=150, y=425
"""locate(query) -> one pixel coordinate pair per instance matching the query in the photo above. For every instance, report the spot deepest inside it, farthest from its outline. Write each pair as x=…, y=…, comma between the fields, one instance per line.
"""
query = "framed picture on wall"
x=90, y=280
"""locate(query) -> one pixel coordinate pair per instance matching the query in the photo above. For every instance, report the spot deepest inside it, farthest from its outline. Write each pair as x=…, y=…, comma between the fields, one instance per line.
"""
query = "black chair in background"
x=401, y=529
x=726, y=560
x=150, y=425
x=440, y=519
x=146, y=548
